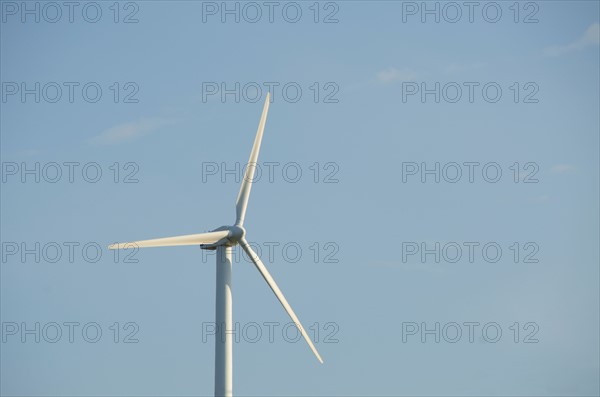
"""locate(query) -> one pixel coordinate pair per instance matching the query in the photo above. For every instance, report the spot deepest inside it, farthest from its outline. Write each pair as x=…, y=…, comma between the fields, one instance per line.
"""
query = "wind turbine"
x=223, y=239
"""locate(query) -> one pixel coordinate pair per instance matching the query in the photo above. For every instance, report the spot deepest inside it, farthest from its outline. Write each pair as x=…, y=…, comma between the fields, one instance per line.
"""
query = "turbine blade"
x=190, y=239
x=242, y=199
x=267, y=276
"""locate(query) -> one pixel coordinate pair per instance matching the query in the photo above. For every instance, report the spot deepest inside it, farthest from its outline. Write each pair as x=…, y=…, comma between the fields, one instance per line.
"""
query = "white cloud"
x=391, y=75
x=562, y=168
x=128, y=131
x=591, y=37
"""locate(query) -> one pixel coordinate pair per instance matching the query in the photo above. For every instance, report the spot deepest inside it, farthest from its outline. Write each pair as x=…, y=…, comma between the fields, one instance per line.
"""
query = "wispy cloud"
x=433, y=269
x=562, y=169
x=591, y=37
x=391, y=75
x=128, y=131
x=458, y=67
x=28, y=153
x=542, y=198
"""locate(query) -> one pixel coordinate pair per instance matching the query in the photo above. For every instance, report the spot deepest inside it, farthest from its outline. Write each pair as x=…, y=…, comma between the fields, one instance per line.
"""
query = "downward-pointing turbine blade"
x=269, y=279
x=242, y=199
x=190, y=239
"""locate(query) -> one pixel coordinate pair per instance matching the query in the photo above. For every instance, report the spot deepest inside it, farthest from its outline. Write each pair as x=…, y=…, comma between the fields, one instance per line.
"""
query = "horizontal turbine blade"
x=242, y=199
x=190, y=239
x=267, y=276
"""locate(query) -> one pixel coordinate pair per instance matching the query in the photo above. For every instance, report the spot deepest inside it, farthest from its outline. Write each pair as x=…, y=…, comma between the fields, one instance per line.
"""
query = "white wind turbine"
x=223, y=239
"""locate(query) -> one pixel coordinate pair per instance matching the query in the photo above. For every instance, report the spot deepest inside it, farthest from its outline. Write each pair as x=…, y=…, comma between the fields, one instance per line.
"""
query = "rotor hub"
x=236, y=233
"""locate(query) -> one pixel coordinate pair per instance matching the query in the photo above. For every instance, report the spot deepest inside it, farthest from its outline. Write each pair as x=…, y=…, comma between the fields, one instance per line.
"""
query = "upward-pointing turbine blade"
x=190, y=239
x=267, y=276
x=242, y=199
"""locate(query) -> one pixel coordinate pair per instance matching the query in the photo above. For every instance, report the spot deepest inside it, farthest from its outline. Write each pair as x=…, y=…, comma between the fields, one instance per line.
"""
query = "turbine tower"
x=223, y=239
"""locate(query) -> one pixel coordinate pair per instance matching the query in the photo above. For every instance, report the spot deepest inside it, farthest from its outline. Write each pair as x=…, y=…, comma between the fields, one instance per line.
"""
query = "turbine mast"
x=224, y=324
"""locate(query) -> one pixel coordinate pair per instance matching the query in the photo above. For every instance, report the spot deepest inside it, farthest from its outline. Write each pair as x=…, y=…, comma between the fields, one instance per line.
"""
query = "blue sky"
x=363, y=133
